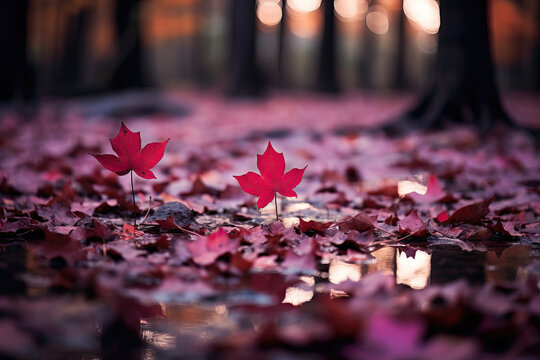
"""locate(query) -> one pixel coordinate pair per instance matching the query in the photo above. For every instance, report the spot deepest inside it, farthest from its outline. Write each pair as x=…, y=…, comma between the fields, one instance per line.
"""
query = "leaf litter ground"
x=421, y=247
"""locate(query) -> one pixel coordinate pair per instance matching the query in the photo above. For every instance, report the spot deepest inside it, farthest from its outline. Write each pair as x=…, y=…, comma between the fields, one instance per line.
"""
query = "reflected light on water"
x=269, y=12
x=334, y=294
x=296, y=296
x=293, y=208
x=310, y=280
x=221, y=309
x=385, y=261
x=377, y=20
x=349, y=10
x=304, y=6
x=406, y=187
x=413, y=272
x=424, y=14
x=158, y=339
x=340, y=271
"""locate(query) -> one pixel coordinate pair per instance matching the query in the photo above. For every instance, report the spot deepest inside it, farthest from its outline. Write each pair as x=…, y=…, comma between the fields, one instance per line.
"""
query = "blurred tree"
x=244, y=78
x=282, y=45
x=327, y=78
x=16, y=76
x=464, y=89
x=71, y=68
x=399, y=75
x=368, y=55
x=129, y=71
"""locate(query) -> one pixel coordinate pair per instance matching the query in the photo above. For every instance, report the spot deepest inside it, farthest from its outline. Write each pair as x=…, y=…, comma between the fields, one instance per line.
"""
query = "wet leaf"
x=412, y=225
x=471, y=213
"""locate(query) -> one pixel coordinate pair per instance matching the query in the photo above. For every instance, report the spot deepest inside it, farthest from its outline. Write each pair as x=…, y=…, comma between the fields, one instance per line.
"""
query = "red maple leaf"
x=127, y=145
x=272, y=179
x=413, y=225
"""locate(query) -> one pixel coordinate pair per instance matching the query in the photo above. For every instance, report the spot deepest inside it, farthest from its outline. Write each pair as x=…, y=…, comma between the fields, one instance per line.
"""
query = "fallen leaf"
x=360, y=223
x=442, y=217
x=434, y=192
x=124, y=250
x=412, y=225
x=205, y=250
x=199, y=187
x=471, y=213
x=313, y=227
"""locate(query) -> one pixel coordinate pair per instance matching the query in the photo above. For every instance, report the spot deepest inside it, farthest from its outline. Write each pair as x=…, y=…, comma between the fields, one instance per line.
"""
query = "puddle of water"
x=203, y=323
x=239, y=308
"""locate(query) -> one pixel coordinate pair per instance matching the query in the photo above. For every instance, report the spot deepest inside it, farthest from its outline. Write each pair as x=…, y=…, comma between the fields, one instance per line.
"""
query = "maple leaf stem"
x=275, y=201
x=133, y=196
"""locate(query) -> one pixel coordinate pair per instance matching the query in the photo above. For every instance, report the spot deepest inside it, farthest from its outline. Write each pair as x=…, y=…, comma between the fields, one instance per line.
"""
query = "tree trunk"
x=464, y=89
x=244, y=77
x=399, y=76
x=16, y=77
x=74, y=52
x=327, y=79
x=367, y=56
x=282, y=45
x=129, y=71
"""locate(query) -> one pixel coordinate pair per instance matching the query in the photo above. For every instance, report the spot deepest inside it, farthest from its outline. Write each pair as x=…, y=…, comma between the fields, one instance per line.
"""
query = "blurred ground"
x=379, y=273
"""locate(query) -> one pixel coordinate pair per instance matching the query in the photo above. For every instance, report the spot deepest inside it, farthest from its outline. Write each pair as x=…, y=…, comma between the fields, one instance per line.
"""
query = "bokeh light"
x=269, y=12
x=304, y=24
x=424, y=14
x=304, y=6
x=350, y=10
x=377, y=20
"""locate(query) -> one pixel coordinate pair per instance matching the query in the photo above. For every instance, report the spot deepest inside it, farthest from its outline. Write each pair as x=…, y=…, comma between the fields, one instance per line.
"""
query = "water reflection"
x=13, y=262
x=451, y=263
x=198, y=323
x=413, y=271
x=297, y=296
x=196, y=316
x=510, y=264
x=340, y=271
x=301, y=292
x=385, y=261
x=158, y=339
